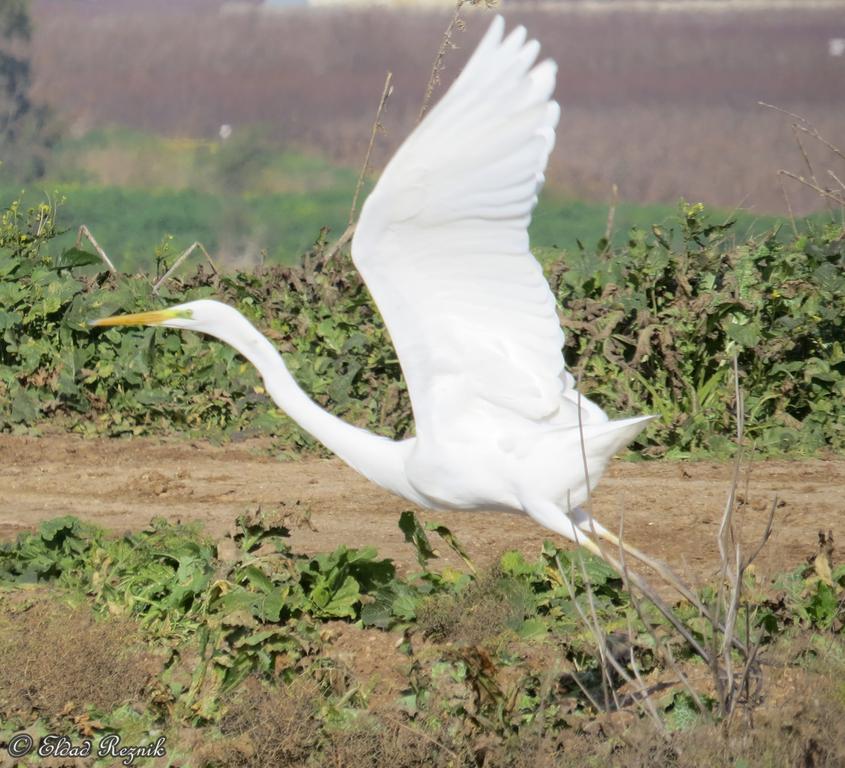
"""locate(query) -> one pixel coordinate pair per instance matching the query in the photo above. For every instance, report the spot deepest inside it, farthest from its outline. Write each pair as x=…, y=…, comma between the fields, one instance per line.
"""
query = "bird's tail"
x=610, y=437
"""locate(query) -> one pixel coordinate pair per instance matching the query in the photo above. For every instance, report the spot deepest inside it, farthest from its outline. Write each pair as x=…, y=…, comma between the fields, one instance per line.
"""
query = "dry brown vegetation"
x=59, y=661
x=484, y=610
x=798, y=724
x=664, y=105
x=266, y=728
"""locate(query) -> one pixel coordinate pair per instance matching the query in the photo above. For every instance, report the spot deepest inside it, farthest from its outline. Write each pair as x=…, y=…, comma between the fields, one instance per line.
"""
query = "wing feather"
x=443, y=245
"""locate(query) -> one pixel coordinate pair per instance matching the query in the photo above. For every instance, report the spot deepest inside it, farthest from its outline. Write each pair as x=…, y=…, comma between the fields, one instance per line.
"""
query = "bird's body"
x=442, y=244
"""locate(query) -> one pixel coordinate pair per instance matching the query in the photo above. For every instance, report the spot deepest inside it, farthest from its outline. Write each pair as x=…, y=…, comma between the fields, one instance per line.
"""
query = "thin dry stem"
x=649, y=592
x=803, y=125
x=664, y=649
x=788, y=206
x=765, y=537
x=436, y=68
x=187, y=252
x=611, y=214
x=643, y=689
x=377, y=126
x=594, y=629
x=605, y=653
x=804, y=155
x=807, y=127
x=836, y=178
x=349, y=232
x=606, y=656
x=838, y=199
x=841, y=184
x=86, y=233
x=340, y=242
x=810, y=130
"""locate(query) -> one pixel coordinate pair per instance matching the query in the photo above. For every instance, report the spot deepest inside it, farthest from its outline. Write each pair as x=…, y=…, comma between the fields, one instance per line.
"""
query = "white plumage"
x=442, y=244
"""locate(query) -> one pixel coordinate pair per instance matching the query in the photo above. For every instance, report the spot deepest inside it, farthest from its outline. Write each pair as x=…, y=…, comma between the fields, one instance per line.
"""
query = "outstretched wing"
x=442, y=243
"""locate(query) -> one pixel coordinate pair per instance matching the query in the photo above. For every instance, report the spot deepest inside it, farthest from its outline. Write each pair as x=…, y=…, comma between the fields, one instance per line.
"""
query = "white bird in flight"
x=442, y=243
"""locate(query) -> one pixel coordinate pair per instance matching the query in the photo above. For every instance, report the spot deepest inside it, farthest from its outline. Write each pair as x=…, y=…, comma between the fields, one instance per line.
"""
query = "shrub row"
x=652, y=327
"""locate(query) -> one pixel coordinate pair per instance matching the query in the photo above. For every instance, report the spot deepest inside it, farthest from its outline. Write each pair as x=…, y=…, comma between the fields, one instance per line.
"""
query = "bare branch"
x=804, y=153
x=782, y=111
x=445, y=44
x=811, y=131
x=86, y=233
x=187, y=252
x=658, y=642
x=385, y=95
x=340, y=242
x=349, y=232
x=765, y=537
x=815, y=187
x=836, y=178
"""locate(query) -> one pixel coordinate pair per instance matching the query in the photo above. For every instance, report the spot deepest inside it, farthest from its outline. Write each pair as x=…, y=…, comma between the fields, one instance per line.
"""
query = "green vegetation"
x=258, y=648
x=655, y=326
x=134, y=191
x=652, y=327
x=248, y=201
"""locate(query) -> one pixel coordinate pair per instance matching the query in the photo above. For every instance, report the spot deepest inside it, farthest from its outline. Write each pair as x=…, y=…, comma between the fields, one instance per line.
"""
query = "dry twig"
x=446, y=44
x=349, y=232
x=184, y=255
x=377, y=126
x=837, y=198
x=86, y=233
x=611, y=215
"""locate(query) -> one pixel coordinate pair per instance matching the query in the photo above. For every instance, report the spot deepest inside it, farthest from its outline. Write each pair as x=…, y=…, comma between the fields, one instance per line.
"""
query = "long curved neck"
x=377, y=458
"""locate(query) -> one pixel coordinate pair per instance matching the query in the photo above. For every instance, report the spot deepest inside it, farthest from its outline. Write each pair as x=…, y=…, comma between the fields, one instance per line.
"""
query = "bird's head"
x=203, y=315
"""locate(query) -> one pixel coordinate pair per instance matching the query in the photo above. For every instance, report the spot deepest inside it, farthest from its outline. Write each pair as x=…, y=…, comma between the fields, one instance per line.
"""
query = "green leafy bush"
x=53, y=367
x=652, y=328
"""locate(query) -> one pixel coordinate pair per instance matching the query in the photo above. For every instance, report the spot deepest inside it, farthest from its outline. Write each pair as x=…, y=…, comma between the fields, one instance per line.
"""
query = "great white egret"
x=442, y=244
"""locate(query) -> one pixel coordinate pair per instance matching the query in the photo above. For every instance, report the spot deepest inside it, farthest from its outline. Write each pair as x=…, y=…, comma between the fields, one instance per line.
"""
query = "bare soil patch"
x=671, y=509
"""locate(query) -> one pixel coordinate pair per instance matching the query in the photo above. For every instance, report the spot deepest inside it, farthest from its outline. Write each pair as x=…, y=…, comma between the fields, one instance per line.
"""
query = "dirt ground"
x=672, y=509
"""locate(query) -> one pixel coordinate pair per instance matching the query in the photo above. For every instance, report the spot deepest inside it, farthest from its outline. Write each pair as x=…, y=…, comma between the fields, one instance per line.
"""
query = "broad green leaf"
x=336, y=602
x=76, y=257
x=415, y=534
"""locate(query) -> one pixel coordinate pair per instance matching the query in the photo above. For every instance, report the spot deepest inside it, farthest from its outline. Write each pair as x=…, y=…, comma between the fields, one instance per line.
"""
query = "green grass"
x=130, y=223
x=247, y=199
x=279, y=227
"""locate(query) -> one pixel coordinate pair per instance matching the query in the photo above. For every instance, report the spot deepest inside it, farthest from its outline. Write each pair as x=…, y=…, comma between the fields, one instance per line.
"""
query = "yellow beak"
x=156, y=317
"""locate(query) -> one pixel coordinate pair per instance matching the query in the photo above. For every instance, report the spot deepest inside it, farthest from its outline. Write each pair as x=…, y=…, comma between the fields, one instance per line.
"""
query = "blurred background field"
x=243, y=126
x=251, y=201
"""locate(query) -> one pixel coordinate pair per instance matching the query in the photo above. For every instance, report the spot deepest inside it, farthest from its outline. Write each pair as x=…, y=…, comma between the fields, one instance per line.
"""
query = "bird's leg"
x=586, y=523
x=550, y=515
x=658, y=566
x=643, y=586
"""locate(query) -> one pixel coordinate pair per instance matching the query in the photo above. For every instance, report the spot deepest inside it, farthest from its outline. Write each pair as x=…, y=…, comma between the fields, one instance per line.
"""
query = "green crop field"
x=249, y=202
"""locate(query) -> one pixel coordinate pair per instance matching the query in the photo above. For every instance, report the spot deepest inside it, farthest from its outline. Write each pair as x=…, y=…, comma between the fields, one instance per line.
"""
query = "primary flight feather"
x=442, y=244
